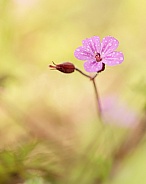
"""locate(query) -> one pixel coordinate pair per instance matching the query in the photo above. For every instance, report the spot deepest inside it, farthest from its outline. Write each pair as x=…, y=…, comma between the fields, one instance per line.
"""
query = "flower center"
x=98, y=58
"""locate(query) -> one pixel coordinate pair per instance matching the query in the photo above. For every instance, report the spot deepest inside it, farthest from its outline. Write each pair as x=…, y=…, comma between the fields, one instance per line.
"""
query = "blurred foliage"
x=49, y=129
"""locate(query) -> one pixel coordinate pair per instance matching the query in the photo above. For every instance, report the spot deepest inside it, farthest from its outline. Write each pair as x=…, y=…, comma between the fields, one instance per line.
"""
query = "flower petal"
x=93, y=66
x=108, y=45
x=92, y=44
x=113, y=58
x=82, y=53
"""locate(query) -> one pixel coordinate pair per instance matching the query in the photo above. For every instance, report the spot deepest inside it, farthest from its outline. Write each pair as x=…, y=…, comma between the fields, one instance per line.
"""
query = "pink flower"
x=98, y=54
x=117, y=112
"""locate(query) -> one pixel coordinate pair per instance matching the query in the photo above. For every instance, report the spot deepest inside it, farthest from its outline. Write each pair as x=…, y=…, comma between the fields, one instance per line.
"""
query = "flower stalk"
x=99, y=110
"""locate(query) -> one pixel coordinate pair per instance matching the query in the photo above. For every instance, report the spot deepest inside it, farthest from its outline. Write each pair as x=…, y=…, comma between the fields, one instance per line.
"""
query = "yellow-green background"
x=39, y=104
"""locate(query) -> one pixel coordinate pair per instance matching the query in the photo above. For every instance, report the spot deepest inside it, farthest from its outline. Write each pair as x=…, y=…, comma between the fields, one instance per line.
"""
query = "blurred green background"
x=48, y=122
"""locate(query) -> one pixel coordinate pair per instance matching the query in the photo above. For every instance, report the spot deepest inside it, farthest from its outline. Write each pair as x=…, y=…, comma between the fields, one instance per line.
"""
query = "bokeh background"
x=49, y=129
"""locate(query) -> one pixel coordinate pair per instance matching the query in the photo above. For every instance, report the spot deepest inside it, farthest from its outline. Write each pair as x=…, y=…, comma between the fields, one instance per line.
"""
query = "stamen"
x=98, y=58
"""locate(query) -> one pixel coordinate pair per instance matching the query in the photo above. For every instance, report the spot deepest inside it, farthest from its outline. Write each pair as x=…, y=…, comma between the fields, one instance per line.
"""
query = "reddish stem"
x=95, y=89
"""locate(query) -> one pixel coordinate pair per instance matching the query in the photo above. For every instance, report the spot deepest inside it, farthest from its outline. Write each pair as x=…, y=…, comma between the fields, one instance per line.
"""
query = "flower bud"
x=66, y=67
